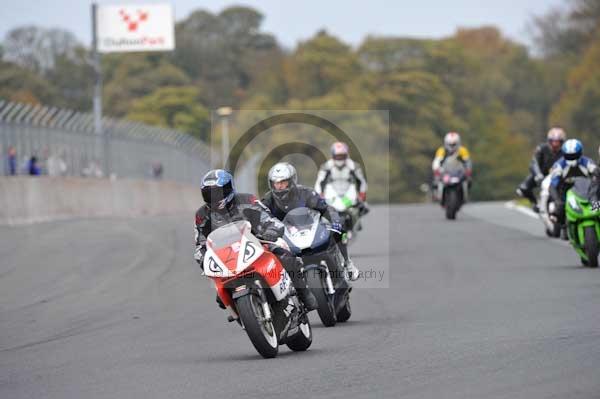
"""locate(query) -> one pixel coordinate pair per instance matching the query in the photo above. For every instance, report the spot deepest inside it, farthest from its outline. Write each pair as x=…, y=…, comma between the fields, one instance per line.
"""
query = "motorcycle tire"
x=315, y=279
x=302, y=340
x=262, y=334
x=591, y=246
x=345, y=312
x=452, y=204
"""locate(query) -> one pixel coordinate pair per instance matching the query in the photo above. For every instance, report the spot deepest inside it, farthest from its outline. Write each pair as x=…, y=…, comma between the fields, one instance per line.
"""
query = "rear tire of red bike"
x=303, y=338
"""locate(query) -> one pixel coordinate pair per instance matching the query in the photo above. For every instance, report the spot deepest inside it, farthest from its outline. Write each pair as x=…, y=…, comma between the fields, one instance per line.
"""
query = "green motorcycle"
x=583, y=222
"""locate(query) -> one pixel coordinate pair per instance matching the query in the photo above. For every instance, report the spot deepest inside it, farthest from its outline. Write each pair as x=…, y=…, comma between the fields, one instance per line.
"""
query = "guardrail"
x=64, y=143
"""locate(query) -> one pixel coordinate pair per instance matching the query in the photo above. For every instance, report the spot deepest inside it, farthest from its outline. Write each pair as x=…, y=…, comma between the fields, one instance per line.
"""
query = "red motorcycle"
x=256, y=289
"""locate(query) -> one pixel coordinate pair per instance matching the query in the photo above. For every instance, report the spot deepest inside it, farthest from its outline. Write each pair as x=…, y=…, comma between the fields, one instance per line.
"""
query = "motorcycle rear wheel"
x=345, y=312
x=302, y=340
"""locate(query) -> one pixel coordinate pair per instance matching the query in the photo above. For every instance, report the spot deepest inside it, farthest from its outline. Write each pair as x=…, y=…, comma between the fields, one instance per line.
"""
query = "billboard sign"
x=124, y=28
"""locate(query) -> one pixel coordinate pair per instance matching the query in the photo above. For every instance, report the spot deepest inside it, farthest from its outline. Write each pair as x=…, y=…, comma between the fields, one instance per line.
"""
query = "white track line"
x=520, y=208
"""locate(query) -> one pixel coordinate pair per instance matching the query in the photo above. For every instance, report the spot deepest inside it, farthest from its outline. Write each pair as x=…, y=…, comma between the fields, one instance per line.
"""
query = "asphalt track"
x=483, y=307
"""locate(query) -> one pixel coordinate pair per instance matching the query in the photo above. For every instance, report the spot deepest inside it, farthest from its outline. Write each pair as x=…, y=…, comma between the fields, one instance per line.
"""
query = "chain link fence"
x=63, y=143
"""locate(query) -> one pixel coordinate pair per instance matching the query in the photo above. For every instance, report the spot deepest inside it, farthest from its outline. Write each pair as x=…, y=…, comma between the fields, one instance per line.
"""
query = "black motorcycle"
x=310, y=236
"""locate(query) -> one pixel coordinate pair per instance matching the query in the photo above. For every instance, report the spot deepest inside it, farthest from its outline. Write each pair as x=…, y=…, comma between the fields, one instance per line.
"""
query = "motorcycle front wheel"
x=326, y=310
x=591, y=246
x=261, y=331
x=452, y=204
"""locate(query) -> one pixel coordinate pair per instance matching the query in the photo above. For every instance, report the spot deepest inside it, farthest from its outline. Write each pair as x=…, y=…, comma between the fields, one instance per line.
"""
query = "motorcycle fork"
x=328, y=280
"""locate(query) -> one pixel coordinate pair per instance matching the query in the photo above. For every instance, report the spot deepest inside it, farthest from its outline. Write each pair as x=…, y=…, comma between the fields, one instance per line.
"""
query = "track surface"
x=484, y=307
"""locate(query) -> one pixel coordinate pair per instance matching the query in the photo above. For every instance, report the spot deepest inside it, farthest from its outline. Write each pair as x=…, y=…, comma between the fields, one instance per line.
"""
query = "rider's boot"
x=220, y=302
x=352, y=270
x=363, y=209
x=307, y=298
x=563, y=233
x=294, y=267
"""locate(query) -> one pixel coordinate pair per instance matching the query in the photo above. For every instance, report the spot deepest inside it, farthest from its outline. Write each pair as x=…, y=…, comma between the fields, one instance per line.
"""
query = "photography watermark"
x=249, y=143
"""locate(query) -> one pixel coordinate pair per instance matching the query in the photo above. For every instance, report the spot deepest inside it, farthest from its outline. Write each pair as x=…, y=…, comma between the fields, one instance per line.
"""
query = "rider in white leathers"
x=341, y=171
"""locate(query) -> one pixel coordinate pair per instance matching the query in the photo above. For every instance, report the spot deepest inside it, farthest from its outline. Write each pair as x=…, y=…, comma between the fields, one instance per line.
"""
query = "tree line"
x=493, y=90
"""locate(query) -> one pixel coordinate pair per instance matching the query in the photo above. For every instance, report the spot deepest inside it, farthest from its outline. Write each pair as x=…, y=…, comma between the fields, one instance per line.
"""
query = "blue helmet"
x=218, y=189
x=572, y=151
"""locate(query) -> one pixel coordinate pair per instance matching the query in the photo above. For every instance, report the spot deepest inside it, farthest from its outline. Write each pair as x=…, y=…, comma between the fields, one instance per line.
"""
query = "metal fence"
x=64, y=143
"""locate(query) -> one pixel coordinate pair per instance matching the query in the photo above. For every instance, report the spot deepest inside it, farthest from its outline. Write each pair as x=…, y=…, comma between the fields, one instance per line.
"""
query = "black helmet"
x=218, y=189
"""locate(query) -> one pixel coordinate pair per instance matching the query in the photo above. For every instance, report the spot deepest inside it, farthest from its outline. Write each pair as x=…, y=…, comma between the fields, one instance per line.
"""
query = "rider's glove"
x=336, y=226
x=468, y=173
x=270, y=235
x=595, y=206
x=437, y=172
x=362, y=196
x=199, y=256
x=280, y=242
x=538, y=178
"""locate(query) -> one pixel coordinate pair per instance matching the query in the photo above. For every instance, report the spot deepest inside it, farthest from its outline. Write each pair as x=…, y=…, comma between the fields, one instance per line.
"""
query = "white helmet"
x=339, y=153
x=452, y=142
x=280, y=172
x=557, y=134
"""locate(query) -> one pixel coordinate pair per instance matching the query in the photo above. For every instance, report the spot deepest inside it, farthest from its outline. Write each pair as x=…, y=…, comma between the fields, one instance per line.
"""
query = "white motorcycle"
x=343, y=197
x=547, y=209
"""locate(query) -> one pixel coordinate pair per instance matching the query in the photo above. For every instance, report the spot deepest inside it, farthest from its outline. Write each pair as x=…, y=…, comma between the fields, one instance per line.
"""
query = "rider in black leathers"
x=545, y=155
x=223, y=205
x=281, y=201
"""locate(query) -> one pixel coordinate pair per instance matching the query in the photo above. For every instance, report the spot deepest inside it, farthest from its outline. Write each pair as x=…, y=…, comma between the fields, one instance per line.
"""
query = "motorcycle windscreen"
x=581, y=187
x=341, y=199
x=300, y=226
x=454, y=167
x=227, y=235
x=231, y=249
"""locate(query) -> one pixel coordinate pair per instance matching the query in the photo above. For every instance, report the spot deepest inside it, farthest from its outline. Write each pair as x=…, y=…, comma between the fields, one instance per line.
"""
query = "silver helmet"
x=279, y=172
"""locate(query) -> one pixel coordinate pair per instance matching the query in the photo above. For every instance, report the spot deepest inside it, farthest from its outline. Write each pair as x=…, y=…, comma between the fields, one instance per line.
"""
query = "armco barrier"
x=26, y=200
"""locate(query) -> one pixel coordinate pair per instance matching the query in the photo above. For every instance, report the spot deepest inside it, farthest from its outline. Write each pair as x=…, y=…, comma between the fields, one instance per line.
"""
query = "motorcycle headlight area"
x=574, y=204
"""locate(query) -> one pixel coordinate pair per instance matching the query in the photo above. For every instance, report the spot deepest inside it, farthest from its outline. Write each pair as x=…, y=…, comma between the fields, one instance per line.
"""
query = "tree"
x=567, y=32
x=320, y=65
x=388, y=54
x=220, y=53
x=22, y=85
x=578, y=109
x=174, y=107
x=37, y=48
x=131, y=76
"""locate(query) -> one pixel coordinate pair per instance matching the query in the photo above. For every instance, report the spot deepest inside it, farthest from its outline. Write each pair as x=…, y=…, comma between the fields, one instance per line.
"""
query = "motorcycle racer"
x=285, y=194
x=544, y=157
x=572, y=164
x=452, y=148
x=223, y=205
x=341, y=168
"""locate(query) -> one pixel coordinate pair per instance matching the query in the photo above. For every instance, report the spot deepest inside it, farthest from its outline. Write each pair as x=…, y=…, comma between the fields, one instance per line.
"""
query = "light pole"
x=224, y=113
x=97, y=100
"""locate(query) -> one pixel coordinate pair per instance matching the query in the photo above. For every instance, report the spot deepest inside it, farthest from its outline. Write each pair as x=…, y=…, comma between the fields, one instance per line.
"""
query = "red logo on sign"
x=133, y=21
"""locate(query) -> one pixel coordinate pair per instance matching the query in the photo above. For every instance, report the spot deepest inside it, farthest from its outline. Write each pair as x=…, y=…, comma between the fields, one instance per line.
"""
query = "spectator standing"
x=12, y=161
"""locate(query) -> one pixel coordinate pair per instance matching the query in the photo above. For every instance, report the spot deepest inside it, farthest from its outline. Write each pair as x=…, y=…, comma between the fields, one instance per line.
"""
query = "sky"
x=293, y=21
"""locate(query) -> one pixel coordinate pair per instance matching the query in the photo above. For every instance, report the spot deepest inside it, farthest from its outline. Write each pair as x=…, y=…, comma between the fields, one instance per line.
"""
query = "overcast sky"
x=292, y=21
